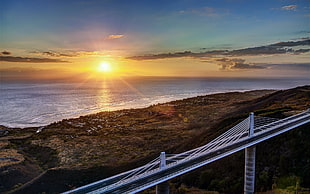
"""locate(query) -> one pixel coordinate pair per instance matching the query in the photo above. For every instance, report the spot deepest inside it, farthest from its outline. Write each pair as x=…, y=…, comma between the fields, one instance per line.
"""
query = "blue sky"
x=119, y=29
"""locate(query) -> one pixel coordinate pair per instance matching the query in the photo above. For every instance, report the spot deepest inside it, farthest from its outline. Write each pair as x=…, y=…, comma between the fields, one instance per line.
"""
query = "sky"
x=56, y=39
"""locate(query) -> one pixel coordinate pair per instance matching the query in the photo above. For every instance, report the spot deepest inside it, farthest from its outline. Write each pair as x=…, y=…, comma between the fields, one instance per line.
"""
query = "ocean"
x=30, y=104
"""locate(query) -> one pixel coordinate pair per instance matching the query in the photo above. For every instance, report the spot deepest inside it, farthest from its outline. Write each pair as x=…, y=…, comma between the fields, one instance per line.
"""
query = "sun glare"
x=104, y=67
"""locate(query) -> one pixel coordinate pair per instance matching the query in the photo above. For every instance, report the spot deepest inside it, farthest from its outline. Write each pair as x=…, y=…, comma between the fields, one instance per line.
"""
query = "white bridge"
x=244, y=135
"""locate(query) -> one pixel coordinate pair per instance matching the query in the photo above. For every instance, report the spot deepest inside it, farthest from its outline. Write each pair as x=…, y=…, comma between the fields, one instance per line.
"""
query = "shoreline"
x=158, y=102
x=36, y=104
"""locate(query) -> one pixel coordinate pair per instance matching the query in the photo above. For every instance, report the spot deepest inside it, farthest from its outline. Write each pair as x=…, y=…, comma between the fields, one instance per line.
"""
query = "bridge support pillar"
x=249, y=169
x=162, y=188
x=249, y=174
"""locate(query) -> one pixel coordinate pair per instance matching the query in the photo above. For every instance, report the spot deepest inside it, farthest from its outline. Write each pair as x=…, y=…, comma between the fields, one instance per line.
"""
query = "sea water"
x=28, y=104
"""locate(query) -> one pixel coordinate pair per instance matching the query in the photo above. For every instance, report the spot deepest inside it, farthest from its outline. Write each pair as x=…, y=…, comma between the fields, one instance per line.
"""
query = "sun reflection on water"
x=105, y=96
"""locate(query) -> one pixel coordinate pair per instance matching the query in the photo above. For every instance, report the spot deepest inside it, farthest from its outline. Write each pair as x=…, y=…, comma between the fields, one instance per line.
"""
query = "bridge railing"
x=229, y=137
x=279, y=122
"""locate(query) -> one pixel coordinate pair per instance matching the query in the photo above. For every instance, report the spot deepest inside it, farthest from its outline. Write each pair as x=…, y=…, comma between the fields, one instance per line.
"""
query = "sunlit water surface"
x=37, y=104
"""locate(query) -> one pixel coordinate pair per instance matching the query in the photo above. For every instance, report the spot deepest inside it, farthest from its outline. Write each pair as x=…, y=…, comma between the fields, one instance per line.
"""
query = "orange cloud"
x=114, y=36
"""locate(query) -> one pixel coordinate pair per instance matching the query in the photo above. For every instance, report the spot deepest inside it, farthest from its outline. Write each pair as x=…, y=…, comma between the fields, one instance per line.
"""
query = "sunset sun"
x=104, y=67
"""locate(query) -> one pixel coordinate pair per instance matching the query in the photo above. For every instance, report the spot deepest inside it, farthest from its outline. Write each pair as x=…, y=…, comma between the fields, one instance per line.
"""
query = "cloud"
x=305, y=67
x=289, y=7
x=67, y=54
x=276, y=48
x=30, y=60
x=262, y=50
x=240, y=64
x=5, y=53
x=114, y=36
x=205, y=11
x=272, y=49
x=236, y=64
x=230, y=60
x=179, y=54
x=53, y=54
x=163, y=56
x=302, y=42
x=299, y=51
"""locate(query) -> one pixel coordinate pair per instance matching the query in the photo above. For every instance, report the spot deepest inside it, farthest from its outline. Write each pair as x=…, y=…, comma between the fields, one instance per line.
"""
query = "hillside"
x=74, y=152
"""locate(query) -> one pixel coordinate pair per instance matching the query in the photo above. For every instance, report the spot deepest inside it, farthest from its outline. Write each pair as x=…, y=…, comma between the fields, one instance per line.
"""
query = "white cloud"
x=114, y=36
x=289, y=7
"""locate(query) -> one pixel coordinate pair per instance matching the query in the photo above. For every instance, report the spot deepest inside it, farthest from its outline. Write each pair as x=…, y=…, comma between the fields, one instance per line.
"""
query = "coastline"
x=37, y=104
x=146, y=106
x=81, y=113
x=142, y=106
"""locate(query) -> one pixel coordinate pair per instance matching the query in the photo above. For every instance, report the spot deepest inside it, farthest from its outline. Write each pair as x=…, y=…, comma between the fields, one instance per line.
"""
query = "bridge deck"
x=234, y=140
